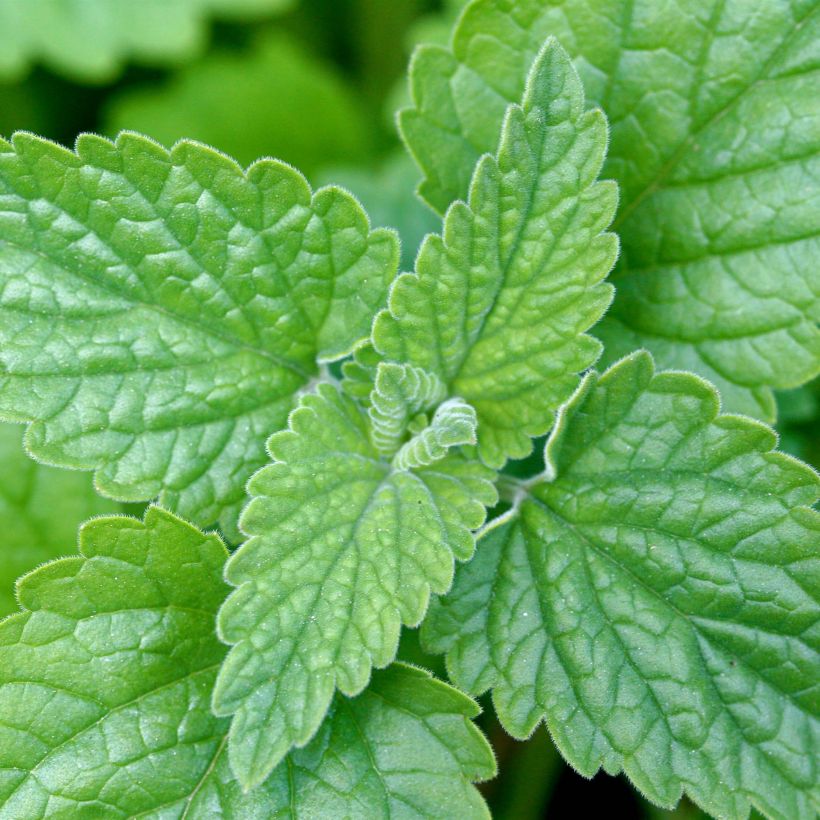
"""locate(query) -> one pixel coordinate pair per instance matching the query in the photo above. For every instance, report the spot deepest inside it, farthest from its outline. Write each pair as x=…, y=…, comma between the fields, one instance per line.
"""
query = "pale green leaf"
x=105, y=685
x=654, y=598
x=344, y=547
x=400, y=392
x=40, y=510
x=360, y=373
x=91, y=40
x=273, y=99
x=715, y=146
x=453, y=425
x=160, y=311
x=500, y=302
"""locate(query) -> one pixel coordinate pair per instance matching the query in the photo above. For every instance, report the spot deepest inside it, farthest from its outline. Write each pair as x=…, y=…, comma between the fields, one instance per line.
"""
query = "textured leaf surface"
x=105, y=684
x=159, y=311
x=715, y=146
x=91, y=40
x=40, y=510
x=401, y=392
x=499, y=304
x=344, y=548
x=273, y=99
x=654, y=599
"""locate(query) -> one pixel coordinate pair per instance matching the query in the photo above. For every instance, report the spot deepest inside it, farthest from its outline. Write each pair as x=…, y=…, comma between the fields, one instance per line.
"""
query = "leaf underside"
x=160, y=311
x=344, y=547
x=90, y=41
x=105, y=685
x=500, y=303
x=654, y=598
x=715, y=145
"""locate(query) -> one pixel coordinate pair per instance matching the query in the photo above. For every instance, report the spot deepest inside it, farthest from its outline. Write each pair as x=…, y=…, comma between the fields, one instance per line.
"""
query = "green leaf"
x=654, y=598
x=40, y=510
x=453, y=425
x=344, y=547
x=500, y=302
x=273, y=99
x=90, y=41
x=715, y=146
x=105, y=683
x=160, y=311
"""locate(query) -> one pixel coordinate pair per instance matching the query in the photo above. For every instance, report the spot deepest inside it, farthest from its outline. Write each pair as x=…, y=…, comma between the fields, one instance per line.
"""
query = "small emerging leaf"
x=500, y=303
x=400, y=392
x=344, y=547
x=453, y=425
x=105, y=685
x=654, y=598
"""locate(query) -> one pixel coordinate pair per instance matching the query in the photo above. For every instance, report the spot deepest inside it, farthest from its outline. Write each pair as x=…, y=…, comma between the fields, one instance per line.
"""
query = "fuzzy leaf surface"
x=105, y=685
x=655, y=599
x=159, y=311
x=344, y=547
x=715, y=145
x=500, y=303
x=40, y=511
x=90, y=41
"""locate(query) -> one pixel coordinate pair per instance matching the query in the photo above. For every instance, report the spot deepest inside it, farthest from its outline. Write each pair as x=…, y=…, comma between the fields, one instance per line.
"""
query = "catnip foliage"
x=173, y=323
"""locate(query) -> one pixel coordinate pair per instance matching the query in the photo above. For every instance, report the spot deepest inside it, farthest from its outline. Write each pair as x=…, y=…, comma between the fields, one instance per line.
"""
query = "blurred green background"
x=315, y=83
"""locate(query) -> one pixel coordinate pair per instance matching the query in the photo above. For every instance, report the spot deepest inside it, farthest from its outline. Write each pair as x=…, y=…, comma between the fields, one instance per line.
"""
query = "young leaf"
x=273, y=99
x=160, y=311
x=40, y=510
x=401, y=392
x=360, y=373
x=654, y=598
x=344, y=547
x=91, y=40
x=715, y=144
x=105, y=683
x=500, y=302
